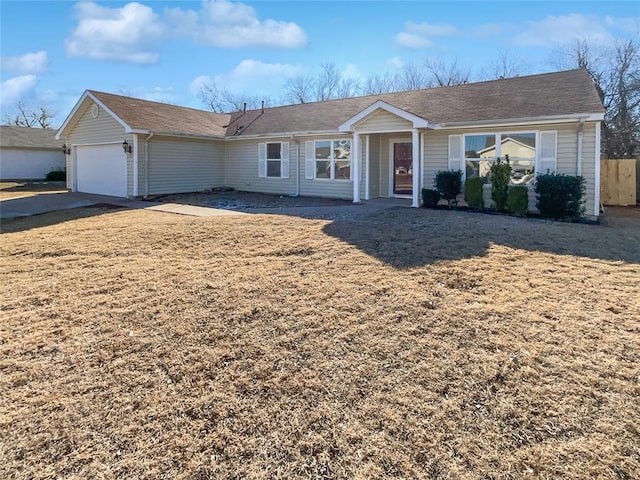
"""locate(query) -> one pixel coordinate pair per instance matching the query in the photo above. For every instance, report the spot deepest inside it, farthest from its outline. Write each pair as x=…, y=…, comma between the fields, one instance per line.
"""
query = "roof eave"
x=570, y=118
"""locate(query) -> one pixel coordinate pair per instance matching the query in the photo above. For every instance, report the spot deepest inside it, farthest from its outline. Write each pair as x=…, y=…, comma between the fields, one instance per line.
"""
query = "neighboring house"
x=29, y=153
x=358, y=148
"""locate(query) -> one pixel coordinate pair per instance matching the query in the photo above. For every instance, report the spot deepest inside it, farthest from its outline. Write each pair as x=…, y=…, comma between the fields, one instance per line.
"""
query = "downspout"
x=579, y=159
x=146, y=165
x=297, y=165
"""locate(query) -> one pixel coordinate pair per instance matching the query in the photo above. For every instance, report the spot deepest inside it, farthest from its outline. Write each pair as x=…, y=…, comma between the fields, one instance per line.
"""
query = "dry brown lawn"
x=29, y=189
x=409, y=344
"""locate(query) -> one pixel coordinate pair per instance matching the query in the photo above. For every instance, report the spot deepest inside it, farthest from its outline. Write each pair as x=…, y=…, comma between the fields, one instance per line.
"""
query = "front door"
x=402, y=168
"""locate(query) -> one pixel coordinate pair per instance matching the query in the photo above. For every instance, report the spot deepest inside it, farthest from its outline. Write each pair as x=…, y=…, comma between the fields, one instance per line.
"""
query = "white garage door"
x=101, y=169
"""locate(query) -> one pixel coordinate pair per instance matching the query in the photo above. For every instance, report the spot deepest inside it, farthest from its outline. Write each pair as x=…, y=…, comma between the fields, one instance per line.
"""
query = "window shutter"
x=309, y=160
x=262, y=160
x=284, y=170
x=455, y=152
x=548, y=141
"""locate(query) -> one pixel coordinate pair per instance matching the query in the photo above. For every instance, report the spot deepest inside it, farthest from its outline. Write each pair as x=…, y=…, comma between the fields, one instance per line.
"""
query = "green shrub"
x=500, y=176
x=473, y=192
x=518, y=200
x=449, y=184
x=430, y=198
x=59, y=175
x=560, y=196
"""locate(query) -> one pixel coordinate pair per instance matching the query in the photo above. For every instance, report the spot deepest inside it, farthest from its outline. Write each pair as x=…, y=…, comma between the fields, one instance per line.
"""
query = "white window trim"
x=498, y=136
x=267, y=159
x=332, y=161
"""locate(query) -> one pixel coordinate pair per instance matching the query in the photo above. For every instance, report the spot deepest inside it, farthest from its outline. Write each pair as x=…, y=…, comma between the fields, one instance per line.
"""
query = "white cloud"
x=419, y=35
x=250, y=77
x=37, y=62
x=127, y=34
x=16, y=89
x=564, y=29
x=221, y=23
x=629, y=24
x=155, y=94
x=395, y=63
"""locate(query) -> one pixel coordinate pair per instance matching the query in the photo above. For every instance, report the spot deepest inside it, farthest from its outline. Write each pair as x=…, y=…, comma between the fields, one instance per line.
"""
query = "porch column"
x=355, y=167
x=416, y=167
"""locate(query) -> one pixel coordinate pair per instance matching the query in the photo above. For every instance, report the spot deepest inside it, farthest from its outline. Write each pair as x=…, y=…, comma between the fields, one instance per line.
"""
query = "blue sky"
x=162, y=50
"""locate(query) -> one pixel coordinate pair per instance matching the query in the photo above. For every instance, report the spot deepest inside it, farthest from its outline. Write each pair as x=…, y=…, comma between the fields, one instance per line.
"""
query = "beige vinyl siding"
x=323, y=187
x=383, y=121
x=178, y=165
x=589, y=149
x=91, y=131
x=436, y=154
x=142, y=149
x=241, y=167
x=374, y=166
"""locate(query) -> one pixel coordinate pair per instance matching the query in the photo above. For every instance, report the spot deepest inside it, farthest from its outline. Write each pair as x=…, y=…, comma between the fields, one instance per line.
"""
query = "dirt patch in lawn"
x=28, y=189
x=138, y=344
x=246, y=201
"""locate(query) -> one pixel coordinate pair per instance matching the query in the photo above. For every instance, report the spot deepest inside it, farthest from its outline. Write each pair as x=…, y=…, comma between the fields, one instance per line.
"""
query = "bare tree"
x=299, y=89
x=40, y=117
x=442, y=74
x=412, y=77
x=505, y=65
x=616, y=75
x=223, y=101
x=329, y=84
x=375, y=84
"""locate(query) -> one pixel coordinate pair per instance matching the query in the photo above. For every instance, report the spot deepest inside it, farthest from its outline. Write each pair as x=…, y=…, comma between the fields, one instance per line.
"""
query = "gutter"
x=524, y=121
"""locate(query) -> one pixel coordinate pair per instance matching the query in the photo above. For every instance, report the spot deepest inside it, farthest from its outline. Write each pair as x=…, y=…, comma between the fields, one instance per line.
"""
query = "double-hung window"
x=273, y=160
x=332, y=159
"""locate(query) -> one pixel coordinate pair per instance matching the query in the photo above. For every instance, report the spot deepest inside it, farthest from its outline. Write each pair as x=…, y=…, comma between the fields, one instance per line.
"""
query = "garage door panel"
x=101, y=169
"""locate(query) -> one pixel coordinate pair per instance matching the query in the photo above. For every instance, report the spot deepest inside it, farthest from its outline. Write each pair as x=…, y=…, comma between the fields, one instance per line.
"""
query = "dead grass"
x=28, y=189
x=410, y=344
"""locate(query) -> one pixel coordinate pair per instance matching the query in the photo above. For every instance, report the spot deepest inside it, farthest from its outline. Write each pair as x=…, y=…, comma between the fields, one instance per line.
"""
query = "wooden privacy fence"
x=618, y=182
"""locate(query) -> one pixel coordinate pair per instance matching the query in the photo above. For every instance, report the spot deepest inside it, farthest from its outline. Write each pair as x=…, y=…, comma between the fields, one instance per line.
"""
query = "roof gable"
x=380, y=105
x=144, y=116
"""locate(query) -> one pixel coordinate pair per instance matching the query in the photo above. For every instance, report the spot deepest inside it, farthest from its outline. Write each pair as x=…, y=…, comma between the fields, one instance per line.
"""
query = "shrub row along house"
x=359, y=148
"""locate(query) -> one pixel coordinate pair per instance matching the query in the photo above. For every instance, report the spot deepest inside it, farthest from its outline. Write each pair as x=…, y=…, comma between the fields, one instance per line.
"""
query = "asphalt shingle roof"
x=544, y=95
x=550, y=94
x=163, y=117
x=25, y=137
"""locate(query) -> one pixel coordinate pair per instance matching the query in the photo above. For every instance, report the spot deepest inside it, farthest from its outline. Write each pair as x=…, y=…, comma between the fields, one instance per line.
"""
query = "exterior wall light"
x=66, y=150
x=126, y=147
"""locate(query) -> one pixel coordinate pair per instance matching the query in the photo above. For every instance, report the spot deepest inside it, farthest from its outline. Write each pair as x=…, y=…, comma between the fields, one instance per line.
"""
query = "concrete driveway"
x=51, y=202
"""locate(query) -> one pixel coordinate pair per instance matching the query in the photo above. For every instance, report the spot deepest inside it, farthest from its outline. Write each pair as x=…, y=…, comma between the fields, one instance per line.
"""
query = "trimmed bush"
x=59, y=175
x=449, y=184
x=430, y=198
x=473, y=193
x=518, y=200
x=560, y=196
x=500, y=177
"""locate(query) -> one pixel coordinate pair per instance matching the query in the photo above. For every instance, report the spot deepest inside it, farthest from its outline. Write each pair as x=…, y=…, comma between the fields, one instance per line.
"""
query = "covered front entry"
x=382, y=128
x=101, y=169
